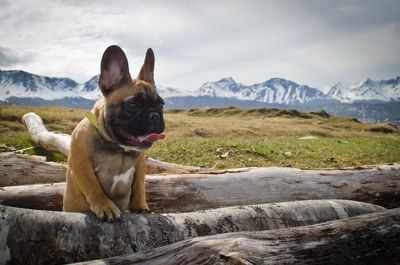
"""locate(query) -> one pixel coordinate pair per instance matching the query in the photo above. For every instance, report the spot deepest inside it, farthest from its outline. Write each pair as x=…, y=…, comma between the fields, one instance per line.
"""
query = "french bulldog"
x=106, y=165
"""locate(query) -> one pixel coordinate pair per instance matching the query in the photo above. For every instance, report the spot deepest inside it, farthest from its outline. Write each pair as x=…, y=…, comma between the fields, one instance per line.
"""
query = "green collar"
x=92, y=119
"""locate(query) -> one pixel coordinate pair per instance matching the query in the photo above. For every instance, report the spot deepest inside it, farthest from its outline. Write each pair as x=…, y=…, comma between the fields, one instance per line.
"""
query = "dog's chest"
x=115, y=173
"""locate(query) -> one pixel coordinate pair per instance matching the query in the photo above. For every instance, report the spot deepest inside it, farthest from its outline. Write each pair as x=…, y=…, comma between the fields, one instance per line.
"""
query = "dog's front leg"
x=138, y=196
x=83, y=175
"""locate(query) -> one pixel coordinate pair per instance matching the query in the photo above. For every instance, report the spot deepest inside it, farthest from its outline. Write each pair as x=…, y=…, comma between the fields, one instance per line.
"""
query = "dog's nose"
x=154, y=116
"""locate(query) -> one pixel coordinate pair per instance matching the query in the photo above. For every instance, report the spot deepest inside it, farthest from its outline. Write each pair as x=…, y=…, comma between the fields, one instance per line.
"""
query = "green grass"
x=22, y=141
x=257, y=152
x=16, y=140
x=253, y=137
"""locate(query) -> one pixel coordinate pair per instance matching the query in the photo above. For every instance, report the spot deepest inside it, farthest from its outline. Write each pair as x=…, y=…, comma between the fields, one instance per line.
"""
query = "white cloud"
x=9, y=57
x=315, y=42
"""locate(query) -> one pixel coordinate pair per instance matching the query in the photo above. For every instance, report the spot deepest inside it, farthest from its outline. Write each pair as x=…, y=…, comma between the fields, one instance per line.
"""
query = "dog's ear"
x=147, y=71
x=114, y=69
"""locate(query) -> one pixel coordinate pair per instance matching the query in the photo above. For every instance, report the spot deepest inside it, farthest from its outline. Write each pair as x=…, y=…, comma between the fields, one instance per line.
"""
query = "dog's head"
x=133, y=110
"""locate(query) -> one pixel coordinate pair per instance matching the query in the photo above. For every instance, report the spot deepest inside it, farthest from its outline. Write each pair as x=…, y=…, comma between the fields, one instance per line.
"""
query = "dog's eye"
x=131, y=105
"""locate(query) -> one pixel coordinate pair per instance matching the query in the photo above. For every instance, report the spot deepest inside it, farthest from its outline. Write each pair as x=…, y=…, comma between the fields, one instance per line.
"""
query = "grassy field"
x=232, y=137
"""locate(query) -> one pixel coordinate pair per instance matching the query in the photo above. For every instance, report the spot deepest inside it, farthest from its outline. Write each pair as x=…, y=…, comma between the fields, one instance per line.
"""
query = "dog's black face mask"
x=140, y=122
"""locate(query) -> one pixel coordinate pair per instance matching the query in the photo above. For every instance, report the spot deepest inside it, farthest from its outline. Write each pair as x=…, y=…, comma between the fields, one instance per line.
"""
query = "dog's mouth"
x=138, y=132
x=142, y=142
x=151, y=138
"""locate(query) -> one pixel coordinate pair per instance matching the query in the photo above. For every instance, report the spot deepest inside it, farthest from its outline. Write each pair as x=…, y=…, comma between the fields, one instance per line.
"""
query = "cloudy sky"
x=312, y=42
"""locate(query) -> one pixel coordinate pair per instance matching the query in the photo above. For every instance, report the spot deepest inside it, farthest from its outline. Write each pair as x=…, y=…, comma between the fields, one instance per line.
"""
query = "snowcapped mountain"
x=20, y=84
x=383, y=97
x=224, y=88
x=23, y=84
x=273, y=91
x=367, y=91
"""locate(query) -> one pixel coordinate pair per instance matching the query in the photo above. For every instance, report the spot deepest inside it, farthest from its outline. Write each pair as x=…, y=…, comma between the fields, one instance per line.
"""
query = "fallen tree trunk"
x=38, y=196
x=192, y=192
x=17, y=169
x=60, y=143
x=366, y=239
x=263, y=185
x=44, y=237
x=20, y=169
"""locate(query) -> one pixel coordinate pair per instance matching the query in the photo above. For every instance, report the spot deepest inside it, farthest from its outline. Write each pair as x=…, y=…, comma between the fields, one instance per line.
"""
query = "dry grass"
x=219, y=122
x=253, y=123
x=55, y=118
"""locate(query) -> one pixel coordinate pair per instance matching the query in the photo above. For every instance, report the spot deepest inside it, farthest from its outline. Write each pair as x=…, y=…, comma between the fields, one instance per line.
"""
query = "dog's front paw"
x=106, y=210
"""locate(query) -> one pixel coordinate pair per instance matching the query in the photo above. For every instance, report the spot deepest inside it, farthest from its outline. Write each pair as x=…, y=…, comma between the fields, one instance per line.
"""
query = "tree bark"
x=192, y=192
x=38, y=196
x=60, y=143
x=17, y=169
x=44, y=237
x=366, y=239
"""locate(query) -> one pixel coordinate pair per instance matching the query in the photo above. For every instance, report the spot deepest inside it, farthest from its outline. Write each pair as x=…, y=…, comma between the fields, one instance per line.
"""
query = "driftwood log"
x=18, y=169
x=43, y=237
x=192, y=192
x=60, y=143
x=366, y=239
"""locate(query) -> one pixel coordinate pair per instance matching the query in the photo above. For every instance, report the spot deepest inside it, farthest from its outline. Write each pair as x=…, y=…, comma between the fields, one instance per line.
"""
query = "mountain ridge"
x=272, y=91
x=367, y=90
x=368, y=100
x=21, y=84
x=18, y=83
x=374, y=100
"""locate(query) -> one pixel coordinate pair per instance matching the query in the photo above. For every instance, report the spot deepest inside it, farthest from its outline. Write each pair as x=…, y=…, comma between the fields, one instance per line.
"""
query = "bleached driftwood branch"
x=60, y=143
x=367, y=239
x=53, y=141
x=43, y=237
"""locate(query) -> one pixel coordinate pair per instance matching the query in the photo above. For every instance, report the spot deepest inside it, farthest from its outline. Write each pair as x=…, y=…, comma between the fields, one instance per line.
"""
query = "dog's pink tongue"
x=151, y=137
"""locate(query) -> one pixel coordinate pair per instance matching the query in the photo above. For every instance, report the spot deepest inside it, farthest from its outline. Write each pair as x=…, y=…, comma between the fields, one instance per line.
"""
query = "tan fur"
x=84, y=192
x=99, y=167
